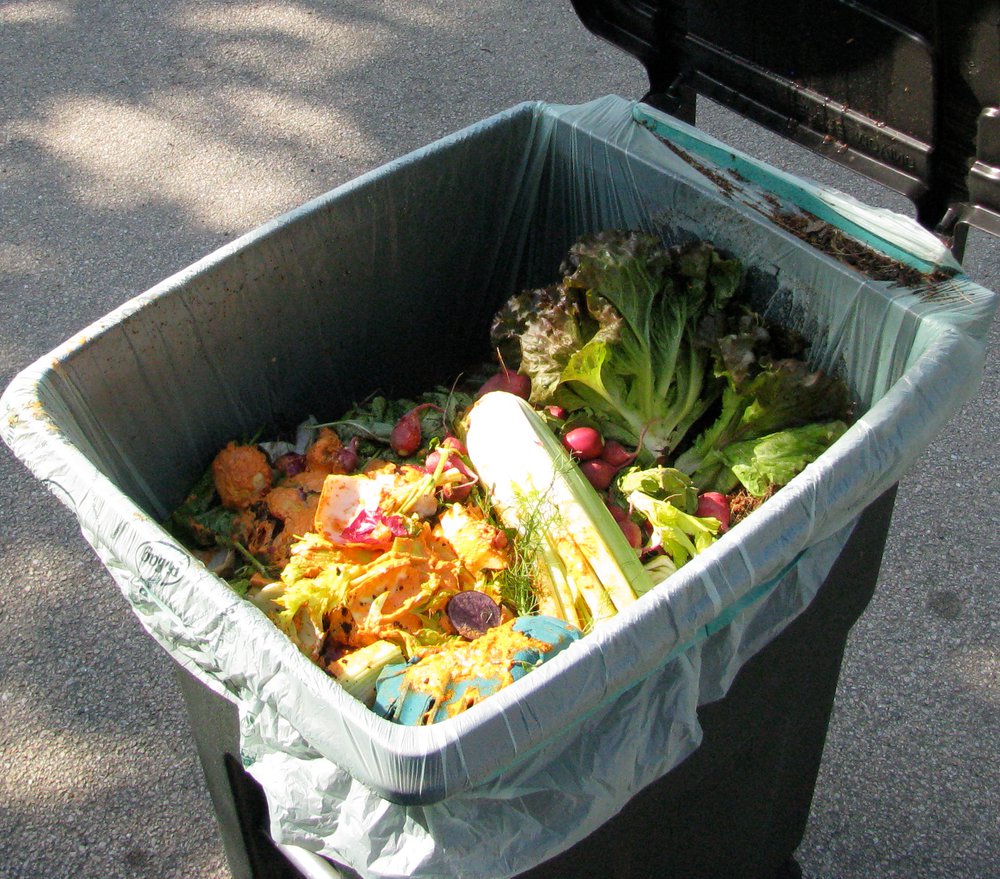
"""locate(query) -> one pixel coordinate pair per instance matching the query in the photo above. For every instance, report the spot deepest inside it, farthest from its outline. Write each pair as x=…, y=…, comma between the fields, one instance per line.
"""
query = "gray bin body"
x=738, y=806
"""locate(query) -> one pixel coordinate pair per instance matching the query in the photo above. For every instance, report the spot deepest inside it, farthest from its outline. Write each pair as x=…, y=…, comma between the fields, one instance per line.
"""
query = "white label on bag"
x=160, y=563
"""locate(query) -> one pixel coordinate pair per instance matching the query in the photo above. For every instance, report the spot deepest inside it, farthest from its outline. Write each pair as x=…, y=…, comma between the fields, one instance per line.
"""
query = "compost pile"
x=427, y=552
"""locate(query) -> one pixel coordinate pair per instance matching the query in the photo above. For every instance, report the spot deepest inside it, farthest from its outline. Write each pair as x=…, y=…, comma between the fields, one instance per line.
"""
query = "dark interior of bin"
x=353, y=295
x=902, y=91
x=386, y=286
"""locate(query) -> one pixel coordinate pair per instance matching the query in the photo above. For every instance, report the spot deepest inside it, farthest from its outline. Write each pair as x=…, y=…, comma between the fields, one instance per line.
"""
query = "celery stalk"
x=556, y=597
x=358, y=670
x=536, y=486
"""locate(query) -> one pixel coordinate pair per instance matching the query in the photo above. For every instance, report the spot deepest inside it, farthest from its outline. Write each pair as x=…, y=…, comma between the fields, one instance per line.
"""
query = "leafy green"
x=372, y=420
x=667, y=499
x=772, y=460
x=761, y=397
x=617, y=337
x=662, y=483
x=240, y=583
x=201, y=520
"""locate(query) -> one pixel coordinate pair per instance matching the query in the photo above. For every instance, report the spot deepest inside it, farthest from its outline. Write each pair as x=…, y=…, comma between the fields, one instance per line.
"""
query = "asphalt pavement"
x=136, y=138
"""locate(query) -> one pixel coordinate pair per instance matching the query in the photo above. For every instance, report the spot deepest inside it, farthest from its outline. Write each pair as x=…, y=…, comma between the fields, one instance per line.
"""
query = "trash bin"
x=683, y=705
x=762, y=743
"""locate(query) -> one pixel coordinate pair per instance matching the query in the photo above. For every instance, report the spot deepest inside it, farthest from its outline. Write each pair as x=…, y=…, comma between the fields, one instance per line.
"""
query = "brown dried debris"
x=877, y=266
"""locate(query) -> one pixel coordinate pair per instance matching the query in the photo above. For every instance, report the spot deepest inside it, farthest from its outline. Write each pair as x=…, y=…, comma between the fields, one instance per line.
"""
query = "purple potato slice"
x=472, y=613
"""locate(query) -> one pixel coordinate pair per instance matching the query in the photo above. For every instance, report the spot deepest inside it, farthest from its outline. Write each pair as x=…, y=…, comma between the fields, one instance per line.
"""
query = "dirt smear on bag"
x=822, y=235
x=832, y=241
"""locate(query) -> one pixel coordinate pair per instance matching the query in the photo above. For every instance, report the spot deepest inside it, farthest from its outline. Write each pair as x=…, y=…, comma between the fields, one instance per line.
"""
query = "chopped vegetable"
x=358, y=670
x=588, y=570
x=473, y=613
x=479, y=544
x=668, y=501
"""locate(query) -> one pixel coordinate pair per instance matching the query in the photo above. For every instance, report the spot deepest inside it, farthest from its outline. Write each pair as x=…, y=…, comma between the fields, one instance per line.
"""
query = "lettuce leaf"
x=773, y=460
x=667, y=499
x=617, y=338
x=781, y=396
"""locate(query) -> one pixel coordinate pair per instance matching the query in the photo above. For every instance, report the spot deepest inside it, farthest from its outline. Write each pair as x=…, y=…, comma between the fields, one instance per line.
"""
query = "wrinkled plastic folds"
x=388, y=283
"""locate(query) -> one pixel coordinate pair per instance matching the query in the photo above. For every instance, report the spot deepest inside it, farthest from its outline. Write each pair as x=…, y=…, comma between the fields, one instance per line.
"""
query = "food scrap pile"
x=428, y=552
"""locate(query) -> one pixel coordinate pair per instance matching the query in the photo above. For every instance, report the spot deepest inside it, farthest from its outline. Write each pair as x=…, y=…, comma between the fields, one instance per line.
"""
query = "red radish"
x=556, y=412
x=619, y=514
x=599, y=473
x=617, y=455
x=632, y=532
x=584, y=443
x=453, y=442
x=714, y=505
x=511, y=382
x=347, y=456
x=452, y=492
x=630, y=529
x=405, y=438
x=456, y=494
x=453, y=462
